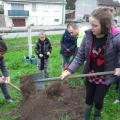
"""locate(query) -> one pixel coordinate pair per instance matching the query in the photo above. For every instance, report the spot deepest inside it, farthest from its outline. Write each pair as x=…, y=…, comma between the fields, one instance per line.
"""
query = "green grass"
x=17, y=67
x=24, y=41
x=65, y=117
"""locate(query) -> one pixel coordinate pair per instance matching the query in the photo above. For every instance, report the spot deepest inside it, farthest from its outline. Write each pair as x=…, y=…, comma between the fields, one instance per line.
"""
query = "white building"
x=85, y=7
x=2, y=19
x=36, y=12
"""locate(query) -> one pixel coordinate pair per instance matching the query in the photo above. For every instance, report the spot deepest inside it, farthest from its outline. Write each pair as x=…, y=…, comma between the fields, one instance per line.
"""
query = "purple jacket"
x=112, y=53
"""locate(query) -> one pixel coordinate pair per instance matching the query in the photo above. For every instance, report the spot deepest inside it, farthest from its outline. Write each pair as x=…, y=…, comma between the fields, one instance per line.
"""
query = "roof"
x=38, y=1
x=109, y=2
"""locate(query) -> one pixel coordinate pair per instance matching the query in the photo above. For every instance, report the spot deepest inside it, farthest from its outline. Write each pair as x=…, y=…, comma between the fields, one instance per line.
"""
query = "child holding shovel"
x=100, y=50
x=69, y=45
x=4, y=81
x=43, y=50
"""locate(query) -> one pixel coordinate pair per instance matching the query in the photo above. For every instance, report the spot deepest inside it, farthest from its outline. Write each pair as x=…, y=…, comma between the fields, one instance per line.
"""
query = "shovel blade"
x=38, y=85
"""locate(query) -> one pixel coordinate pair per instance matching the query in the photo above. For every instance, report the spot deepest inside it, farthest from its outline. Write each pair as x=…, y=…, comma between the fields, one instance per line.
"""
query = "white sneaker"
x=116, y=101
x=10, y=100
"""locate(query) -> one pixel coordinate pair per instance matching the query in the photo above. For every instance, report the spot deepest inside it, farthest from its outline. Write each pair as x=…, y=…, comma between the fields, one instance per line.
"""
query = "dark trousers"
x=117, y=82
x=95, y=94
x=117, y=85
x=4, y=89
x=118, y=88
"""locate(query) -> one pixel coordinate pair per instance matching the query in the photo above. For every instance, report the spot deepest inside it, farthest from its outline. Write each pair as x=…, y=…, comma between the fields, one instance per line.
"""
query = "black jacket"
x=42, y=47
x=68, y=42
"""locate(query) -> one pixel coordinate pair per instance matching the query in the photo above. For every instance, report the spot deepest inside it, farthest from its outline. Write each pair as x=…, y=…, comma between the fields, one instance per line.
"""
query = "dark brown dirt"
x=26, y=86
x=58, y=99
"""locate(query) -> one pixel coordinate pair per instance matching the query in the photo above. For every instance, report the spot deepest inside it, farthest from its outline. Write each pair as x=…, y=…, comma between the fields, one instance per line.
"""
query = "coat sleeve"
x=4, y=69
x=74, y=45
x=79, y=58
x=62, y=42
x=37, y=48
x=50, y=46
x=118, y=51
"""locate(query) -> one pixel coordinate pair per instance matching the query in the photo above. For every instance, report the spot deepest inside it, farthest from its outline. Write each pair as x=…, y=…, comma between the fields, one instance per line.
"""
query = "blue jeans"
x=5, y=90
x=45, y=72
x=42, y=74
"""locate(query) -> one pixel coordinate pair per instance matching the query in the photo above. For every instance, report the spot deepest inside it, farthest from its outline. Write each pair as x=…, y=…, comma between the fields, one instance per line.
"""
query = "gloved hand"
x=65, y=74
x=117, y=71
x=48, y=53
x=41, y=55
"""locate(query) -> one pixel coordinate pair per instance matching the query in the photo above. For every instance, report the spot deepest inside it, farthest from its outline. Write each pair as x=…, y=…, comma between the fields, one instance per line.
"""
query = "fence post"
x=29, y=41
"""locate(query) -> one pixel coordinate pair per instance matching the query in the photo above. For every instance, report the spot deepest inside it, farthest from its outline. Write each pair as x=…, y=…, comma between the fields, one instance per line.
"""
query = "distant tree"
x=70, y=4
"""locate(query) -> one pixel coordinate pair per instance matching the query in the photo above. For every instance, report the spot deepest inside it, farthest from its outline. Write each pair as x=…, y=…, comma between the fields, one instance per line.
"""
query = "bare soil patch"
x=56, y=100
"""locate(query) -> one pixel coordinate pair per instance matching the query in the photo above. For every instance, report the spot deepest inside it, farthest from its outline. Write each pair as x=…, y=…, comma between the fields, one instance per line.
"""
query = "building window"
x=56, y=20
x=34, y=7
x=15, y=6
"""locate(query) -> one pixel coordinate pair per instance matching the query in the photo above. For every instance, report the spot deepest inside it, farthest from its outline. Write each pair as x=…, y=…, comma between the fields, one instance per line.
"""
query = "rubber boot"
x=97, y=114
x=87, y=112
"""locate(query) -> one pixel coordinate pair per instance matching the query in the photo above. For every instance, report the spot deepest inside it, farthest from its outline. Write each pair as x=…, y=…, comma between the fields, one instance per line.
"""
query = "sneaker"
x=116, y=101
x=10, y=100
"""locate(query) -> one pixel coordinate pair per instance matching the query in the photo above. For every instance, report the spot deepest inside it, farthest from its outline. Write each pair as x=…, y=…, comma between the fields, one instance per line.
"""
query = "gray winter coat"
x=111, y=55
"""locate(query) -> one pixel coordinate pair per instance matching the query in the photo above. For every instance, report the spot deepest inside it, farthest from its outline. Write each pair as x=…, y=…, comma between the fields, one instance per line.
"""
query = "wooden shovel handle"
x=12, y=85
x=77, y=76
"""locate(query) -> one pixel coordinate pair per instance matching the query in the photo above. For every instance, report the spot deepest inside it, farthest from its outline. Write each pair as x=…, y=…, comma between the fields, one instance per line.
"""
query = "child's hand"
x=48, y=53
x=2, y=80
x=7, y=80
x=41, y=55
x=65, y=74
x=117, y=71
x=68, y=50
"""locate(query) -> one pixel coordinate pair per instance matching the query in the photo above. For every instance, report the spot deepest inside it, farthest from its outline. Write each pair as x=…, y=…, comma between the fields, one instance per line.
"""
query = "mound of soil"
x=26, y=86
x=55, y=101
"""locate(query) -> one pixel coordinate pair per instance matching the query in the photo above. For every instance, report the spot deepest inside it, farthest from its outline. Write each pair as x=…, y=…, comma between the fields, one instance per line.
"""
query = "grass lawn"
x=17, y=68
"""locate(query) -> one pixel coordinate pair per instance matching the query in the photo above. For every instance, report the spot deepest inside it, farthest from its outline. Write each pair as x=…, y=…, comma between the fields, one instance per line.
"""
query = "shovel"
x=41, y=81
x=11, y=84
x=15, y=87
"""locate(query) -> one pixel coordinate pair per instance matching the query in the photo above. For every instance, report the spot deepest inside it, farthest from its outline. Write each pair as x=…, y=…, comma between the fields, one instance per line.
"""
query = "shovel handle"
x=12, y=85
x=77, y=76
